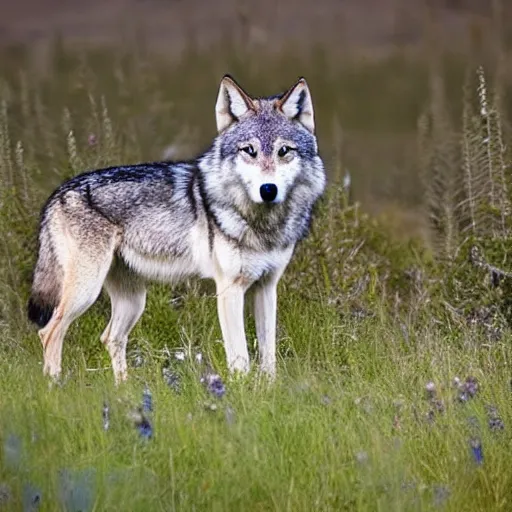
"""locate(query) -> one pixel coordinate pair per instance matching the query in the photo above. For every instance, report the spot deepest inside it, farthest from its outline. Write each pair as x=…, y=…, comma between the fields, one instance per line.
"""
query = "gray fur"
x=168, y=221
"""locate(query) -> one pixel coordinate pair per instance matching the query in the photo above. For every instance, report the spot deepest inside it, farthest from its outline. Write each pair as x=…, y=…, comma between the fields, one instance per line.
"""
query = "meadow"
x=394, y=381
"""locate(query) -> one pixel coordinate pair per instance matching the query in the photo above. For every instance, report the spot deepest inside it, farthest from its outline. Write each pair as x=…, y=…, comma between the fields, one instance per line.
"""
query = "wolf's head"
x=267, y=144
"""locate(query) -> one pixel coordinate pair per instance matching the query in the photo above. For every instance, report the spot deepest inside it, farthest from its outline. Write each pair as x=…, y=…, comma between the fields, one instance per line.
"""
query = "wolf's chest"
x=183, y=255
x=195, y=258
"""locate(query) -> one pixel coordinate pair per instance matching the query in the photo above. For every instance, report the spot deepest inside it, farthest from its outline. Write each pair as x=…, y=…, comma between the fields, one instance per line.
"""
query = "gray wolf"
x=234, y=215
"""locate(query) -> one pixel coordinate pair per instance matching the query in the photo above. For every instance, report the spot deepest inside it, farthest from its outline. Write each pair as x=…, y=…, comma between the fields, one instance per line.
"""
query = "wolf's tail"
x=47, y=282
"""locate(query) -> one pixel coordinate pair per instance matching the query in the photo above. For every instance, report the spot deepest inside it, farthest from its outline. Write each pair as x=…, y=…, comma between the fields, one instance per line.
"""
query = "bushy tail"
x=47, y=283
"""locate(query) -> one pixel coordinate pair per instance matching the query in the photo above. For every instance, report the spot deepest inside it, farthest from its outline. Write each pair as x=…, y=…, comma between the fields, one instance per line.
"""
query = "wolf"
x=234, y=215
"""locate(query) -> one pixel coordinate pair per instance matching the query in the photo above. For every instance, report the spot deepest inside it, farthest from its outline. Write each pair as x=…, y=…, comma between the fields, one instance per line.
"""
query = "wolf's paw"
x=239, y=365
x=237, y=376
x=55, y=380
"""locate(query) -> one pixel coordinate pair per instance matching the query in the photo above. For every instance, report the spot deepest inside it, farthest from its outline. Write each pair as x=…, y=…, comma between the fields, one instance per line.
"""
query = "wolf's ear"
x=296, y=104
x=232, y=103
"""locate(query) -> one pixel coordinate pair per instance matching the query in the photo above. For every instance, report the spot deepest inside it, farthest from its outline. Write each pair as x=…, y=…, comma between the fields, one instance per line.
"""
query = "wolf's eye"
x=249, y=149
x=283, y=151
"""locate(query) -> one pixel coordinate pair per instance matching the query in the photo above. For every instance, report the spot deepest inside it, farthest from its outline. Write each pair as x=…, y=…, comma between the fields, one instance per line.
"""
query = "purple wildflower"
x=214, y=384
x=106, y=416
x=496, y=424
x=437, y=405
x=145, y=429
x=430, y=388
x=142, y=423
x=468, y=389
x=471, y=386
x=494, y=421
x=477, y=450
x=91, y=140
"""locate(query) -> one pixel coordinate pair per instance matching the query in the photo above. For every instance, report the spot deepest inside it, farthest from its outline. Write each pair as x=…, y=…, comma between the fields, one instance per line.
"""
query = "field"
x=394, y=382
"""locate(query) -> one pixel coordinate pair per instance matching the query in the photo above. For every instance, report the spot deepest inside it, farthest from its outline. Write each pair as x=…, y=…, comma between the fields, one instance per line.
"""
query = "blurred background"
x=387, y=78
x=374, y=26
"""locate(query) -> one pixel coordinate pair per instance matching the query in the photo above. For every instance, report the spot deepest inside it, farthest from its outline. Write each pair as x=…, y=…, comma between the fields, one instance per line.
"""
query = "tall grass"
x=377, y=332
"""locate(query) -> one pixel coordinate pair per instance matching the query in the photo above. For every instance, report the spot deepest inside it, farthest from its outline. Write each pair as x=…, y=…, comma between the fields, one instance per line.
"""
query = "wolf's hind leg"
x=128, y=299
x=81, y=287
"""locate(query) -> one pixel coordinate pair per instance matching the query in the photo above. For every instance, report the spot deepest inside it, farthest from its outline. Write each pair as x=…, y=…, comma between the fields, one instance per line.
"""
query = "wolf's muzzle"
x=268, y=192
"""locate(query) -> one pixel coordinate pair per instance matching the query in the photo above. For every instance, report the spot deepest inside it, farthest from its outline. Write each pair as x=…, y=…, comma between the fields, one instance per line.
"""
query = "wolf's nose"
x=268, y=192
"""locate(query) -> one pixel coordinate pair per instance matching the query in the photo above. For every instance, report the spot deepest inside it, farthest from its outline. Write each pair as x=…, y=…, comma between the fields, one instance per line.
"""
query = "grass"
x=367, y=320
x=327, y=436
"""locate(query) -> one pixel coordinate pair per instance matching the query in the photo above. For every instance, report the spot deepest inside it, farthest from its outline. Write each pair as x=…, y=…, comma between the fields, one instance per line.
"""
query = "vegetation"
x=394, y=341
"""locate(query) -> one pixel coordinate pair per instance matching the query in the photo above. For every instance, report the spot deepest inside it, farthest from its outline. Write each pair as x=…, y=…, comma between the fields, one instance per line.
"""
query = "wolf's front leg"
x=230, y=306
x=265, y=314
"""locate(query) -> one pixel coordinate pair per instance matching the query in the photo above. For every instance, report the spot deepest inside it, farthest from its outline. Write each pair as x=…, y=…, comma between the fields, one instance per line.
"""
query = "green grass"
x=366, y=319
x=343, y=428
